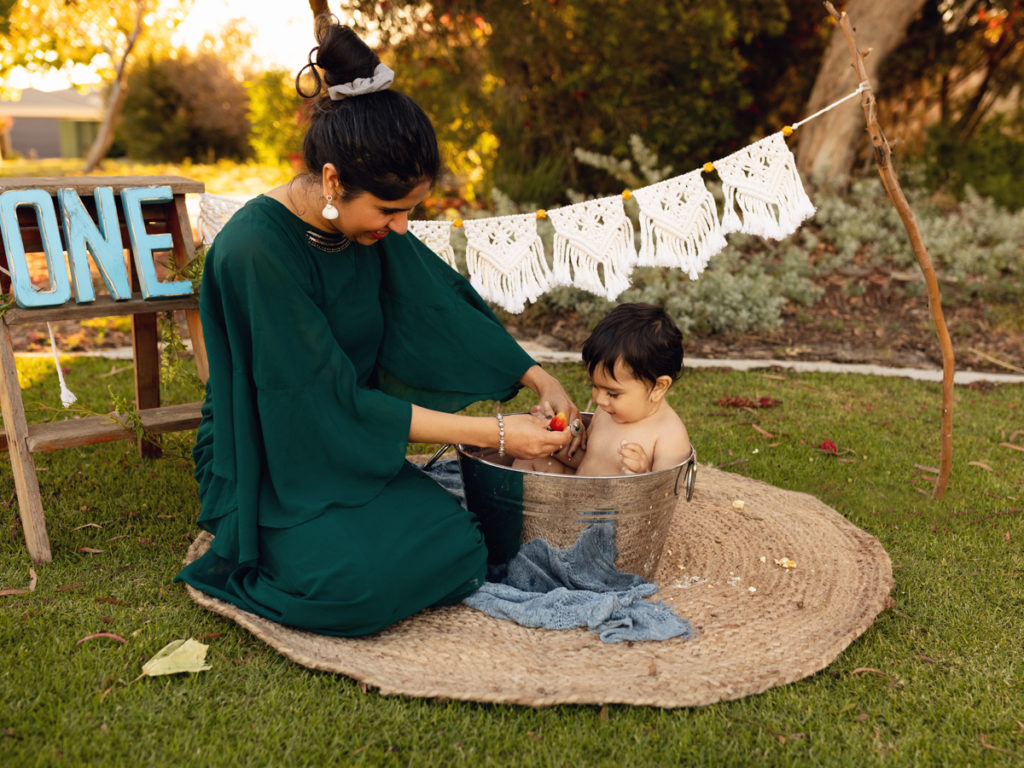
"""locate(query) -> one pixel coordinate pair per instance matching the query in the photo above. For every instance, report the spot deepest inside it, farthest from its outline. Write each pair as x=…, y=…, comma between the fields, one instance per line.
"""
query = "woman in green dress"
x=334, y=339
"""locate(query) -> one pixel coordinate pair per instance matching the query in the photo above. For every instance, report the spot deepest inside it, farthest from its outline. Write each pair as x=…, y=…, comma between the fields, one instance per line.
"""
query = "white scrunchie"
x=382, y=78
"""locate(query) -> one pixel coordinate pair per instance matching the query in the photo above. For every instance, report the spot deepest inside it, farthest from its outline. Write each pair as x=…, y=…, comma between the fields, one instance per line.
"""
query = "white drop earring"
x=329, y=211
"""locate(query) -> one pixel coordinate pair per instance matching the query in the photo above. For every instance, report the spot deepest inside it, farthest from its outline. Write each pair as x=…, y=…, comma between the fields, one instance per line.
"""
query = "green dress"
x=319, y=522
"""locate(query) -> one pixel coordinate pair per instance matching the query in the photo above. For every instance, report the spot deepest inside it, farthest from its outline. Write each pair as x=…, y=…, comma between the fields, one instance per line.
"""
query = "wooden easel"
x=22, y=440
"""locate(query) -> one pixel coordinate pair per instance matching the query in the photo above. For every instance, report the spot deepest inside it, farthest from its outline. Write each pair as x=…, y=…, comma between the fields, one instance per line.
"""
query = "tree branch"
x=883, y=158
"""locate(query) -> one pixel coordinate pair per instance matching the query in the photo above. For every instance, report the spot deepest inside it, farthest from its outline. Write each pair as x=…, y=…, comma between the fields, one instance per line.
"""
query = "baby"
x=633, y=356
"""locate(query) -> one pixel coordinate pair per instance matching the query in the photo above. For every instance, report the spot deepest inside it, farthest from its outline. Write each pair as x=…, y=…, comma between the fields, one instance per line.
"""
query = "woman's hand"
x=527, y=437
x=554, y=399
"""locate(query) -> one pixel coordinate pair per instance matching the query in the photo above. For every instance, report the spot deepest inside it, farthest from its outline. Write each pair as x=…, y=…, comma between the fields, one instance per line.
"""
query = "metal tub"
x=515, y=506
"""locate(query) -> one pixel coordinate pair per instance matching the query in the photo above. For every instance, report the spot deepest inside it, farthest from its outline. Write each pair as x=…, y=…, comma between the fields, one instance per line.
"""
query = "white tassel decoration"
x=594, y=247
x=679, y=224
x=67, y=397
x=761, y=180
x=437, y=236
x=505, y=260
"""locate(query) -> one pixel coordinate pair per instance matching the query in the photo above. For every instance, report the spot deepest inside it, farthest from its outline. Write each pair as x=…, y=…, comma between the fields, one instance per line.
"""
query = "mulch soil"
x=882, y=326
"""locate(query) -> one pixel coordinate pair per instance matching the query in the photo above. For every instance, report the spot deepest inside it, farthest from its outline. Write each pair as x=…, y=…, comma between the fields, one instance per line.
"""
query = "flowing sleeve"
x=288, y=430
x=443, y=346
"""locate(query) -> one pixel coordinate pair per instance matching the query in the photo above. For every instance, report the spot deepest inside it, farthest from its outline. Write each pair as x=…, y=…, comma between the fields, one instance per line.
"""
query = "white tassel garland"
x=761, y=180
x=437, y=236
x=594, y=240
x=679, y=224
x=505, y=260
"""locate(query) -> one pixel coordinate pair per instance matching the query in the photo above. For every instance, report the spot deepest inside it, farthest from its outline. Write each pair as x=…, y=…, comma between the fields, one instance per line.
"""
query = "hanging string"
x=67, y=397
x=864, y=85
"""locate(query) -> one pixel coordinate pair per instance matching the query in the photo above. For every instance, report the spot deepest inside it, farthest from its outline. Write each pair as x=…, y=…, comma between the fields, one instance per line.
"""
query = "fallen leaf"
x=177, y=656
x=980, y=464
x=923, y=468
x=96, y=635
x=365, y=746
x=1014, y=447
x=87, y=525
x=112, y=601
x=22, y=591
x=764, y=432
x=534, y=736
x=604, y=712
x=986, y=745
x=90, y=550
x=860, y=670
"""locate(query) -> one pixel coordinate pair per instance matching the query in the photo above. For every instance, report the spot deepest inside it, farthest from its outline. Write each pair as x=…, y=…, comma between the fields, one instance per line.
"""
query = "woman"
x=334, y=339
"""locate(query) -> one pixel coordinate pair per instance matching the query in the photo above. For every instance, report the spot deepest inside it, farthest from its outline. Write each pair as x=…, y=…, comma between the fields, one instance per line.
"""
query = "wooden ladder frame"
x=19, y=438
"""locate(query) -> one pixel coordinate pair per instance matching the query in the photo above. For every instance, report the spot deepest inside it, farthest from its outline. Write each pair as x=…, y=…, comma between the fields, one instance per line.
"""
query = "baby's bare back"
x=662, y=436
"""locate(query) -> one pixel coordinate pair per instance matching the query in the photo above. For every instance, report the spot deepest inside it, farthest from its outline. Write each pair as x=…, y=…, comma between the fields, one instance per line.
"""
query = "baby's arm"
x=671, y=449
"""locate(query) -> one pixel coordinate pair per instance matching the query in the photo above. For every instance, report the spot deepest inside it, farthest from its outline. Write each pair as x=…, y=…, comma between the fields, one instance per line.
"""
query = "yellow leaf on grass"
x=178, y=656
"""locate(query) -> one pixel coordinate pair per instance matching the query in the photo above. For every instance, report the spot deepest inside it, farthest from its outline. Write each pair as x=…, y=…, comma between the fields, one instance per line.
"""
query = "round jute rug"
x=760, y=623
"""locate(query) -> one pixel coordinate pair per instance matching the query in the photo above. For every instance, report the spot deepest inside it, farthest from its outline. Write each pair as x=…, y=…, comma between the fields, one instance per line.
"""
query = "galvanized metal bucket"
x=514, y=506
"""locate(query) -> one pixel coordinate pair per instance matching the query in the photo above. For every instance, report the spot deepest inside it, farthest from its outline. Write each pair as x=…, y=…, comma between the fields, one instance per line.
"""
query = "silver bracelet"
x=501, y=435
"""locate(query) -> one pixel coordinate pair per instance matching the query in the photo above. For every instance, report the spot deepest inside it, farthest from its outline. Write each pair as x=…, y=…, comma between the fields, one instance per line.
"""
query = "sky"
x=282, y=35
x=282, y=29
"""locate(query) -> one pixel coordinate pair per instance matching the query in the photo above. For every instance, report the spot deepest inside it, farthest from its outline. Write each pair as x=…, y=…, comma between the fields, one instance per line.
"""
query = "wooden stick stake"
x=883, y=158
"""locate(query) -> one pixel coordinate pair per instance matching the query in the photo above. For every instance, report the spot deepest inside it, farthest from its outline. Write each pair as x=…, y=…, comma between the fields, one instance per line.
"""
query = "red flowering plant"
x=827, y=446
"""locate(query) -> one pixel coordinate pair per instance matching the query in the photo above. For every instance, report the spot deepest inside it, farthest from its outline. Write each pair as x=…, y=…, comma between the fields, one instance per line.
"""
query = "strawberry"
x=558, y=422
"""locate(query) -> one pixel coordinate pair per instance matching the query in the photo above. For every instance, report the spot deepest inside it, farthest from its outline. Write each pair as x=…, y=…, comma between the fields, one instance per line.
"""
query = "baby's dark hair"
x=381, y=142
x=642, y=336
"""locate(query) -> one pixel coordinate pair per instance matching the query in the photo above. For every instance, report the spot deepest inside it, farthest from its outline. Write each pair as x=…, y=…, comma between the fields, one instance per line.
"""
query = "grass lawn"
x=937, y=680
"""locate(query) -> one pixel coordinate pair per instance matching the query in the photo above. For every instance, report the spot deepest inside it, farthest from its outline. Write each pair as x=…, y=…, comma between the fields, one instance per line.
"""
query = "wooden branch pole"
x=883, y=158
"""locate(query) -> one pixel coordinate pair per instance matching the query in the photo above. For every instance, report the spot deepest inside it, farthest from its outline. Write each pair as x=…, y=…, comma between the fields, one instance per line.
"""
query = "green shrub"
x=189, y=107
x=991, y=161
x=277, y=118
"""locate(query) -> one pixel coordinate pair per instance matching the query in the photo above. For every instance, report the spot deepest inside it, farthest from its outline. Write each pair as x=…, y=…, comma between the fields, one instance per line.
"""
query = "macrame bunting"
x=214, y=212
x=761, y=180
x=437, y=236
x=505, y=260
x=593, y=239
x=679, y=224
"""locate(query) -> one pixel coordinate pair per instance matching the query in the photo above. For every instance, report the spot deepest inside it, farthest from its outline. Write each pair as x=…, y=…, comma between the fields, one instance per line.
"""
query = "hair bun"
x=340, y=55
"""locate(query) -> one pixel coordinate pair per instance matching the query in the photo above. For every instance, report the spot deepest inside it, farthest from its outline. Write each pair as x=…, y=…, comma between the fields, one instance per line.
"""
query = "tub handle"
x=433, y=459
x=689, y=473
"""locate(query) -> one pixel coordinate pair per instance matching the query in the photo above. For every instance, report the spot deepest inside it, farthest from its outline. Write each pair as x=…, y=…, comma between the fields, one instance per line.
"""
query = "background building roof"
x=68, y=104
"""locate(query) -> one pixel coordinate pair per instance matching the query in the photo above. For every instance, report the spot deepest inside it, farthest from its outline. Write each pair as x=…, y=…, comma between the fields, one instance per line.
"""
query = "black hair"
x=642, y=336
x=381, y=142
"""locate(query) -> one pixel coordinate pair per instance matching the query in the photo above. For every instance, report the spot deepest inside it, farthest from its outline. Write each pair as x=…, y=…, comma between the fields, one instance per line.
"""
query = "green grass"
x=948, y=654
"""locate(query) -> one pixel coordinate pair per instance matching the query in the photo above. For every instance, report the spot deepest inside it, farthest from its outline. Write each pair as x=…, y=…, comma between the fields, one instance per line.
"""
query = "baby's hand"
x=538, y=412
x=635, y=460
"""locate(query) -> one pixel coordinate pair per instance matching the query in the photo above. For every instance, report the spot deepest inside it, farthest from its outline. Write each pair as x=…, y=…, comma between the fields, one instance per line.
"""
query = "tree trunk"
x=318, y=7
x=105, y=136
x=827, y=145
x=115, y=99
